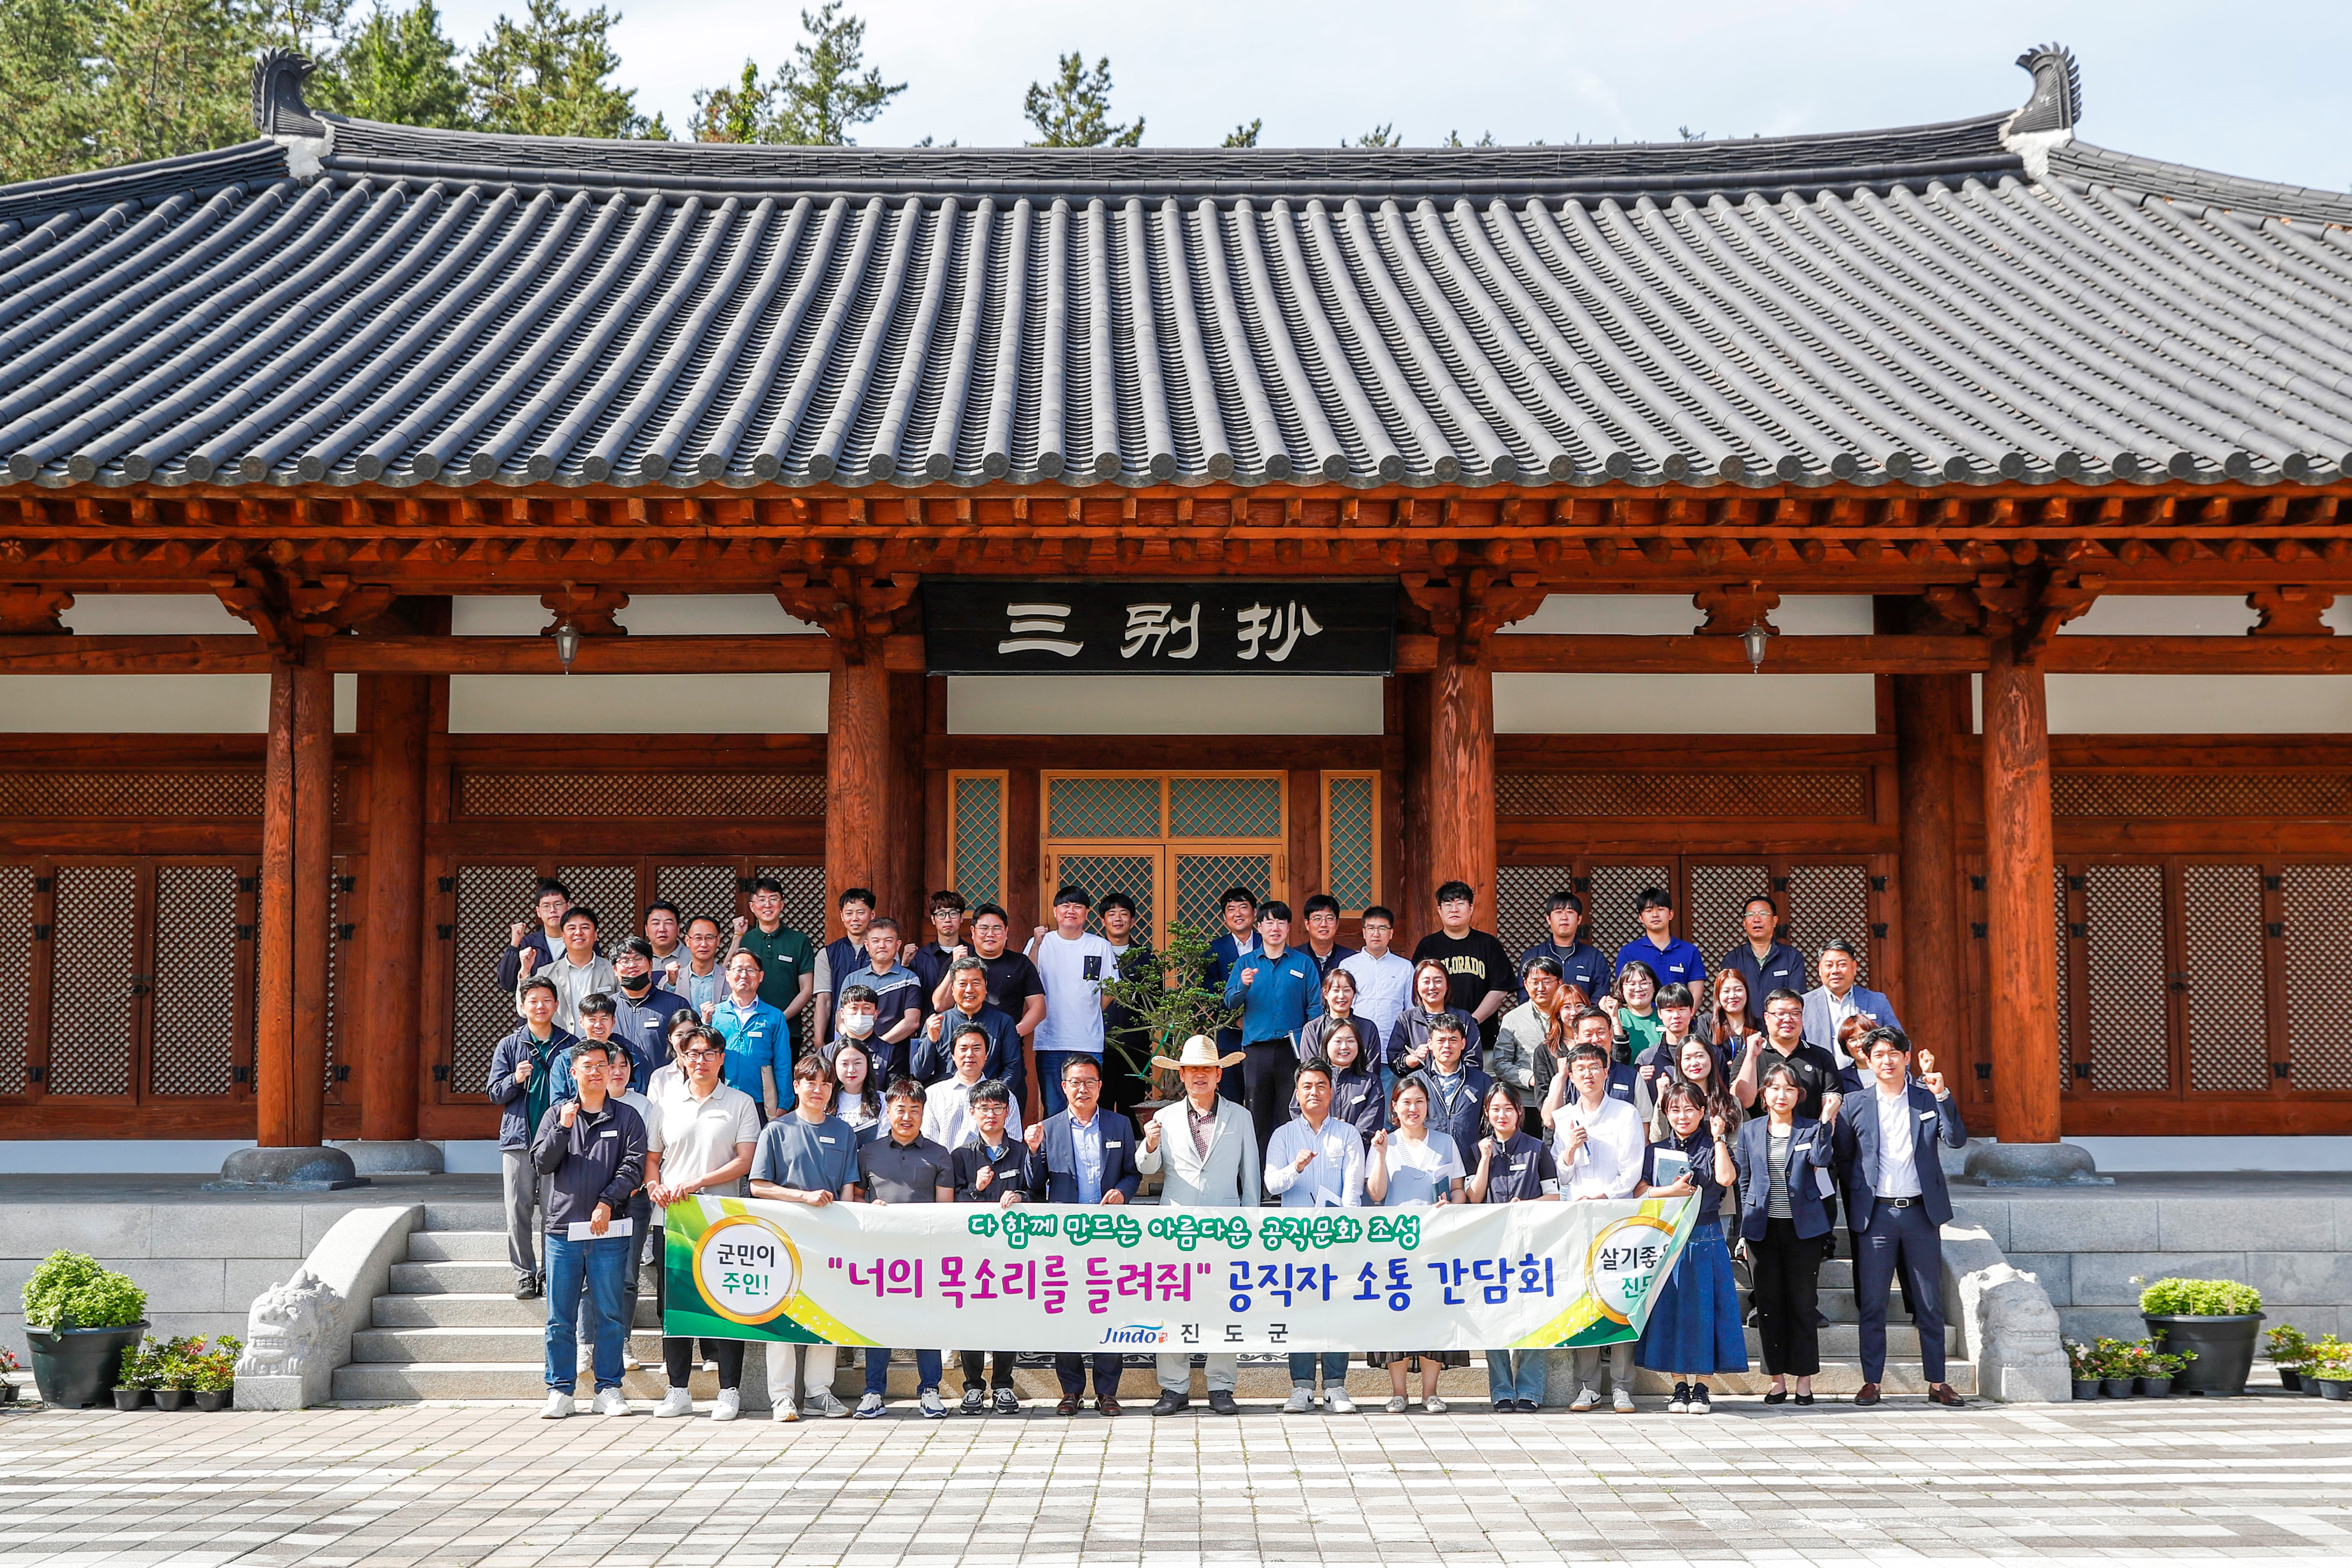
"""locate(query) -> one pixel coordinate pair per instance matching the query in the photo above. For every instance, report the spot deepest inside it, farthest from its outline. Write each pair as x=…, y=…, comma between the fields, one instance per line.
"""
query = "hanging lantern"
x=567, y=644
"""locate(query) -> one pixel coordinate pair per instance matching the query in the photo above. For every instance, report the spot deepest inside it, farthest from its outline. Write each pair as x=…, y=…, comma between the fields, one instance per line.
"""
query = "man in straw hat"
x=1210, y=1158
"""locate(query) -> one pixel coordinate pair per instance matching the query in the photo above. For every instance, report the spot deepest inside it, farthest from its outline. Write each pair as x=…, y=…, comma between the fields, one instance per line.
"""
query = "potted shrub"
x=2331, y=1369
x=142, y=1368
x=2288, y=1351
x=2159, y=1371
x=1168, y=1008
x=215, y=1376
x=2114, y=1368
x=8, y=1363
x=2219, y=1320
x=2083, y=1368
x=181, y=1355
x=78, y=1320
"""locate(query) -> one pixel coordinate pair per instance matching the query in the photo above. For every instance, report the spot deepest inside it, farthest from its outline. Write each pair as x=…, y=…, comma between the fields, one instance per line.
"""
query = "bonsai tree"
x=143, y=1366
x=1169, y=1007
x=2200, y=1299
x=69, y=1290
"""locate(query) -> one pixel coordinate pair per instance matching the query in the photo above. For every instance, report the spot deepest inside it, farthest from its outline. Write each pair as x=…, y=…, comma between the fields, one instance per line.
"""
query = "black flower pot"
x=2224, y=1348
x=2086, y=1388
x=2311, y=1386
x=170, y=1399
x=129, y=1398
x=212, y=1398
x=8, y=1394
x=2116, y=1387
x=2290, y=1380
x=73, y=1368
x=2156, y=1387
x=2335, y=1388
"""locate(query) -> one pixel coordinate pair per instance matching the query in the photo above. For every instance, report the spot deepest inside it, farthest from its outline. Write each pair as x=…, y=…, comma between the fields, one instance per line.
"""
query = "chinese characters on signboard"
x=1166, y=629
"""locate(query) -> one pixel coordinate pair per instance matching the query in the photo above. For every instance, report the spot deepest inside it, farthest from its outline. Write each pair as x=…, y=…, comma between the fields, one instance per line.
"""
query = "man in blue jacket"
x=1897, y=1203
x=1084, y=1155
x=522, y=1083
x=1457, y=1091
x=590, y=1149
x=1280, y=989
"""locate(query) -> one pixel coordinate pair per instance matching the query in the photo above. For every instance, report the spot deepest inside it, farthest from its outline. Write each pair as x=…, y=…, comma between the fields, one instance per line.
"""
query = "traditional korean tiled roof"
x=341, y=301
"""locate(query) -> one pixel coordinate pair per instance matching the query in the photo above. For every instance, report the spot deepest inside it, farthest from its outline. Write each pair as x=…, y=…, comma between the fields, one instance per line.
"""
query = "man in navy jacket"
x=1897, y=1203
x=521, y=1084
x=1084, y=1155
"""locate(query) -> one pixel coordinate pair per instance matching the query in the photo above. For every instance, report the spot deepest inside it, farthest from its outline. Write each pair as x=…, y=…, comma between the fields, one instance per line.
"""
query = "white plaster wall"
x=652, y=615
x=2192, y=704
x=150, y=704
x=1671, y=615
x=2163, y=615
x=638, y=704
x=151, y=614
x=1604, y=705
x=1164, y=705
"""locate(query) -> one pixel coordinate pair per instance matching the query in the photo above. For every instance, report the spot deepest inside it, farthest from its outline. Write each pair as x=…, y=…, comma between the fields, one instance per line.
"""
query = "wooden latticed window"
x=2222, y=955
x=1718, y=897
x=610, y=892
x=2065, y=983
x=2318, y=905
x=16, y=898
x=803, y=886
x=1827, y=901
x=976, y=803
x=196, y=1048
x=1112, y=872
x=697, y=890
x=2125, y=996
x=95, y=979
x=1351, y=857
x=1613, y=909
x=1224, y=807
x=1188, y=836
x=1087, y=806
x=1522, y=896
x=490, y=898
x=1202, y=881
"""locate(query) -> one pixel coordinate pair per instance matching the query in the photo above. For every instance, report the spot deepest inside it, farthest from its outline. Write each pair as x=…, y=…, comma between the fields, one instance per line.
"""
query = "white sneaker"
x=677, y=1401
x=1301, y=1400
x=1586, y=1398
x=558, y=1406
x=611, y=1402
x=1337, y=1402
x=870, y=1407
x=931, y=1405
x=729, y=1404
x=587, y=1360
x=1680, y=1403
x=1620, y=1400
x=787, y=1411
x=824, y=1403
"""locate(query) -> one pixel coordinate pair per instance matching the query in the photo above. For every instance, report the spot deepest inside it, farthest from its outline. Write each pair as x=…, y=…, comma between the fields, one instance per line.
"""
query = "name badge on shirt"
x=1092, y=966
x=610, y=1132
x=1926, y=1116
x=823, y=1140
x=1114, y=1145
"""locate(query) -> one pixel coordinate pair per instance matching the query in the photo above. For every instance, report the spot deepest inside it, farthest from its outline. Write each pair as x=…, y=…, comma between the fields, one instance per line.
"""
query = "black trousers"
x=1900, y=1241
x=1902, y=1285
x=1269, y=1075
x=1070, y=1371
x=976, y=1361
x=678, y=1360
x=1787, y=1293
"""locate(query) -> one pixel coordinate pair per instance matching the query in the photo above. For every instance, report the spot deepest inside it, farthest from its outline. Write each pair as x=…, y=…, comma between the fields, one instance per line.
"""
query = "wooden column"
x=386, y=1028
x=901, y=886
x=1929, y=711
x=314, y=809
x=2022, y=972
x=1460, y=771
x=273, y=1067
x=856, y=766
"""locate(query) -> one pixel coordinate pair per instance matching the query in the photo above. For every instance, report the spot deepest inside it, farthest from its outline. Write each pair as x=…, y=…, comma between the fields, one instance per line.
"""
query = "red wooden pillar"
x=1929, y=711
x=856, y=766
x=389, y=1016
x=1458, y=790
x=2022, y=971
x=314, y=801
x=273, y=1067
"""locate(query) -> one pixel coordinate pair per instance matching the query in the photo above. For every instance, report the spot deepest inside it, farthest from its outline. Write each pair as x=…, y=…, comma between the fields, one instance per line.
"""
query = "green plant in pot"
x=2290, y=1352
x=214, y=1380
x=182, y=1358
x=8, y=1363
x=142, y=1372
x=2114, y=1360
x=2331, y=1368
x=1169, y=1007
x=2219, y=1321
x=2083, y=1368
x=80, y=1319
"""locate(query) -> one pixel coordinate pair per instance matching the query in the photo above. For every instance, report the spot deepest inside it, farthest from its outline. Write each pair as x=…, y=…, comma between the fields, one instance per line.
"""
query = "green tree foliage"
x=1485, y=139
x=46, y=112
x=1382, y=135
x=1074, y=110
x=549, y=75
x=398, y=67
x=169, y=76
x=1243, y=135
x=819, y=96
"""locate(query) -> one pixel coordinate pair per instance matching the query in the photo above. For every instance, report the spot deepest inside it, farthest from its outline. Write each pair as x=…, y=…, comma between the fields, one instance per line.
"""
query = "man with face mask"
x=641, y=1010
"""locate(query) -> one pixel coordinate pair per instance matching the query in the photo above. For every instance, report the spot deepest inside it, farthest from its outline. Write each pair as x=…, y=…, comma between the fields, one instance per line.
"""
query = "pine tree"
x=819, y=96
x=48, y=87
x=1382, y=135
x=1243, y=135
x=1075, y=112
x=550, y=76
x=174, y=77
x=397, y=66
x=739, y=112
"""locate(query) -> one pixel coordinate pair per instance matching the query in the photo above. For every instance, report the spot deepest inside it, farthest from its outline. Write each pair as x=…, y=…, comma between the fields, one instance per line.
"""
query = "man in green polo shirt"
x=787, y=961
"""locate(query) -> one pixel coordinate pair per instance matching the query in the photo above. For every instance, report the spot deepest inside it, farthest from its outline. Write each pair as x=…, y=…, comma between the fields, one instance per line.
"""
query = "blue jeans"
x=877, y=1370
x=1335, y=1369
x=600, y=1265
x=1049, y=1090
x=1527, y=1382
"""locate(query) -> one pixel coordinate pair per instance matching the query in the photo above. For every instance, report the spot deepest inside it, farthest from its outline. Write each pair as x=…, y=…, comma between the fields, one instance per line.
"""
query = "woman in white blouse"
x=1414, y=1166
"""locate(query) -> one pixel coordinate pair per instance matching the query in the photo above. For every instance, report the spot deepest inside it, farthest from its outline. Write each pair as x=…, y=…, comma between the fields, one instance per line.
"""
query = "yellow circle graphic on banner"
x=747, y=1268
x=1624, y=1258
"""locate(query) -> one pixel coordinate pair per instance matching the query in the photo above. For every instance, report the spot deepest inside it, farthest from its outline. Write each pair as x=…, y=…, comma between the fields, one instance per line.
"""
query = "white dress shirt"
x=1610, y=1163
x=947, y=1120
x=1333, y=1178
x=1898, y=1175
x=1383, y=986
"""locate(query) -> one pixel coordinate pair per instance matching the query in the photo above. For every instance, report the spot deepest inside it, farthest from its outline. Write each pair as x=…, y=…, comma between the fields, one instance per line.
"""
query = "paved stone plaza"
x=2247, y=1479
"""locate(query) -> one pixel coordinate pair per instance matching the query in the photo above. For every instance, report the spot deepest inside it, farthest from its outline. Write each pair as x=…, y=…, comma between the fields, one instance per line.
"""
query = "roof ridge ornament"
x=2046, y=120
x=279, y=113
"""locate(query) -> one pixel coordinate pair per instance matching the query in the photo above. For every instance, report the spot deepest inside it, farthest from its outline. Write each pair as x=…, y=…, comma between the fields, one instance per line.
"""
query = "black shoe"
x=525, y=1289
x=1222, y=1403
x=1530, y=1407
x=1777, y=1396
x=1171, y=1402
x=1804, y=1399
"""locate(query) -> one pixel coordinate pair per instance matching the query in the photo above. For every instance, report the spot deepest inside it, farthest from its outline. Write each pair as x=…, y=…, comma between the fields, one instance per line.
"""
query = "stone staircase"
x=450, y=1329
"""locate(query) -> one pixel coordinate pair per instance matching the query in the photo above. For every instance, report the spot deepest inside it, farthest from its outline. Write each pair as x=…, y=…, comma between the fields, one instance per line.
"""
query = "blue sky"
x=2255, y=88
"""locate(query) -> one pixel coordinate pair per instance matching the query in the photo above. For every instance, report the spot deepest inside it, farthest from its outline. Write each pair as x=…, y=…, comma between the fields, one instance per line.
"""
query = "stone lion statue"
x=288, y=1326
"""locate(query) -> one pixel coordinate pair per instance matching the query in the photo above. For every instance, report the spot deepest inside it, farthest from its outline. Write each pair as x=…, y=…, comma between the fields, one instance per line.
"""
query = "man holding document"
x=592, y=1153
x=1316, y=1160
x=1598, y=1142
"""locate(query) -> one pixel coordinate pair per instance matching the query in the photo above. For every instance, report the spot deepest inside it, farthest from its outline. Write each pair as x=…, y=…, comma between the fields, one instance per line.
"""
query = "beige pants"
x=817, y=1377
x=1620, y=1357
x=1176, y=1373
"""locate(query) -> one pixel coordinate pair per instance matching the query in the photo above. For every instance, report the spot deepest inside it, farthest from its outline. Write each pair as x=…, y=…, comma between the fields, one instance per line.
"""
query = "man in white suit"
x=1209, y=1150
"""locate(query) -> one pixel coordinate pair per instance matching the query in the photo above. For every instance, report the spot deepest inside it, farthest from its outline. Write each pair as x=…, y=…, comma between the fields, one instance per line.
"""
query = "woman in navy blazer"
x=1787, y=1227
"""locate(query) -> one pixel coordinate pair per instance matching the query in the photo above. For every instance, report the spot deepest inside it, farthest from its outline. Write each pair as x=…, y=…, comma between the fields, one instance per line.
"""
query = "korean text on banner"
x=1052, y=1277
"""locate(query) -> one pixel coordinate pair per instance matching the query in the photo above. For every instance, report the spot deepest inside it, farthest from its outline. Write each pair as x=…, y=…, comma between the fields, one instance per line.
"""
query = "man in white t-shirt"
x=1072, y=962
x=1383, y=981
x=1597, y=1142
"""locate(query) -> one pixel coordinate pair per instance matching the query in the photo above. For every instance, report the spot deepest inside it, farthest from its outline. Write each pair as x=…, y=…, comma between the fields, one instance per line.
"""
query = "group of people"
x=1349, y=1076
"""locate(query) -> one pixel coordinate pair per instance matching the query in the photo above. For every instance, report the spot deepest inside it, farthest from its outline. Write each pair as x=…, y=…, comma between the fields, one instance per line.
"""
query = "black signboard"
x=1116, y=626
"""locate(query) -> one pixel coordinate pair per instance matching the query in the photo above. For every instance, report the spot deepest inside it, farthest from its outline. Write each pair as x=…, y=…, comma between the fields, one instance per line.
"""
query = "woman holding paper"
x=1784, y=1162
x=1414, y=1166
x=1694, y=1327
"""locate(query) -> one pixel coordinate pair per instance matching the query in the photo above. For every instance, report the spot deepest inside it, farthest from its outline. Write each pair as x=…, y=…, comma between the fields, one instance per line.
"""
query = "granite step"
x=448, y=1278
x=458, y=1246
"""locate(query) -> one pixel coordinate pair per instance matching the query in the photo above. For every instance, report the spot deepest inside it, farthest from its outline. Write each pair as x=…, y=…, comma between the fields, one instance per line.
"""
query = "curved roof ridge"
x=2093, y=165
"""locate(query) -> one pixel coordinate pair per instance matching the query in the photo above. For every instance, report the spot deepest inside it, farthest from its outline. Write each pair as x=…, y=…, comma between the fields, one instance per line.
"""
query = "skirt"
x=1694, y=1323
x=1440, y=1358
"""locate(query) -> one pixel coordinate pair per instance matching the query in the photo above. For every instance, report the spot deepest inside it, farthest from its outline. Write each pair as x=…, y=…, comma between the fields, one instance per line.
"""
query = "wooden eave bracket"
x=2028, y=609
x=1733, y=607
x=286, y=613
x=1473, y=603
x=31, y=609
x=588, y=607
x=2290, y=611
x=853, y=609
